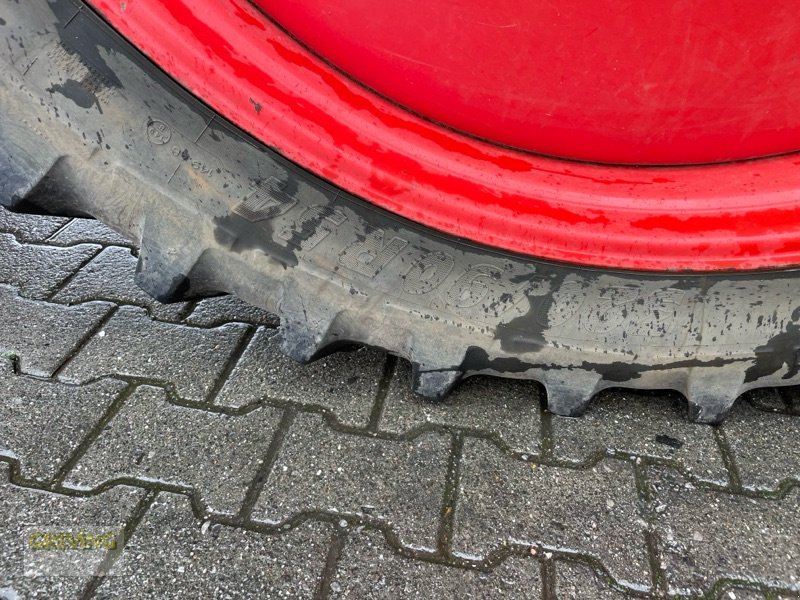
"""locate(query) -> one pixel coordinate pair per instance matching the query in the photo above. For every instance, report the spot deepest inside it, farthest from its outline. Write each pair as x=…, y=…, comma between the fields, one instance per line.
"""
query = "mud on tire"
x=89, y=126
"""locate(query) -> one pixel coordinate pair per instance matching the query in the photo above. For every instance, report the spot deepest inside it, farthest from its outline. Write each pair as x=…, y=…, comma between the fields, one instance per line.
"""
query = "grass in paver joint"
x=13, y=358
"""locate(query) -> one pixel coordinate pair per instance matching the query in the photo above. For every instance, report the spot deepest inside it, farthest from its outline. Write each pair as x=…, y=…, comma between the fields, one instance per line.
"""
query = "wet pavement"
x=222, y=469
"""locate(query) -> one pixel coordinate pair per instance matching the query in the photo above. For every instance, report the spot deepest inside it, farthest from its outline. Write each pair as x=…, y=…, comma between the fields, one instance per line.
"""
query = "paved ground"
x=221, y=469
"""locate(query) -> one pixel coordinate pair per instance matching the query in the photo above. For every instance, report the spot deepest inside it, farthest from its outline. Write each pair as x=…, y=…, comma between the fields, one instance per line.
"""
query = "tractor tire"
x=90, y=126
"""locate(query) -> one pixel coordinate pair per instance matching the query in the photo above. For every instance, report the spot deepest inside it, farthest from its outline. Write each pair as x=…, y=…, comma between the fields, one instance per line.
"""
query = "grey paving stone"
x=576, y=581
x=80, y=231
x=647, y=425
x=738, y=593
x=37, y=270
x=505, y=408
x=226, y=309
x=155, y=441
x=41, y=334
x=25, y=511
x=765, y=446
x=30, y=228
x=368, y=568
x=590, y=511
x=109, y=276
x=346, y=383
x=702, y=535
x=399, y=482
x=43, y=422
x=131, y=344
x=174, y=555
x=709, y=535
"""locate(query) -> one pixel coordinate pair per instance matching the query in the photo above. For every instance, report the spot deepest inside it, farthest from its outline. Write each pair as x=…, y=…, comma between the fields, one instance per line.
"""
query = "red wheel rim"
x=743, y=215
x=608, y=81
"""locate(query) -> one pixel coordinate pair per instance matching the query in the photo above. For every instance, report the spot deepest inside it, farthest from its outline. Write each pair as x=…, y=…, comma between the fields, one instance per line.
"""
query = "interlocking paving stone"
x=368, y=568
x=43, y=422
x=131, y=344
x=226, y=309
x=174, y=555
x=399, y=482
x=701, y=535
x=709, y=535
x=506, y=408
x=109, y=276
x=592, y=511
x=152, y=440
x=80, y=231
x=765, y=446
x=575, y=581
x=346, y=383
x=41, y=334
x=640, y=424
x=738, y=593
x=30, y=228
x=37, y=270
x=24, y=511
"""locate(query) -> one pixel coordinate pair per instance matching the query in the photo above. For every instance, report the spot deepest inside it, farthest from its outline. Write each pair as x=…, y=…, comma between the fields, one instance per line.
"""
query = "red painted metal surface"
x=613, y=81
x=731, y=216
